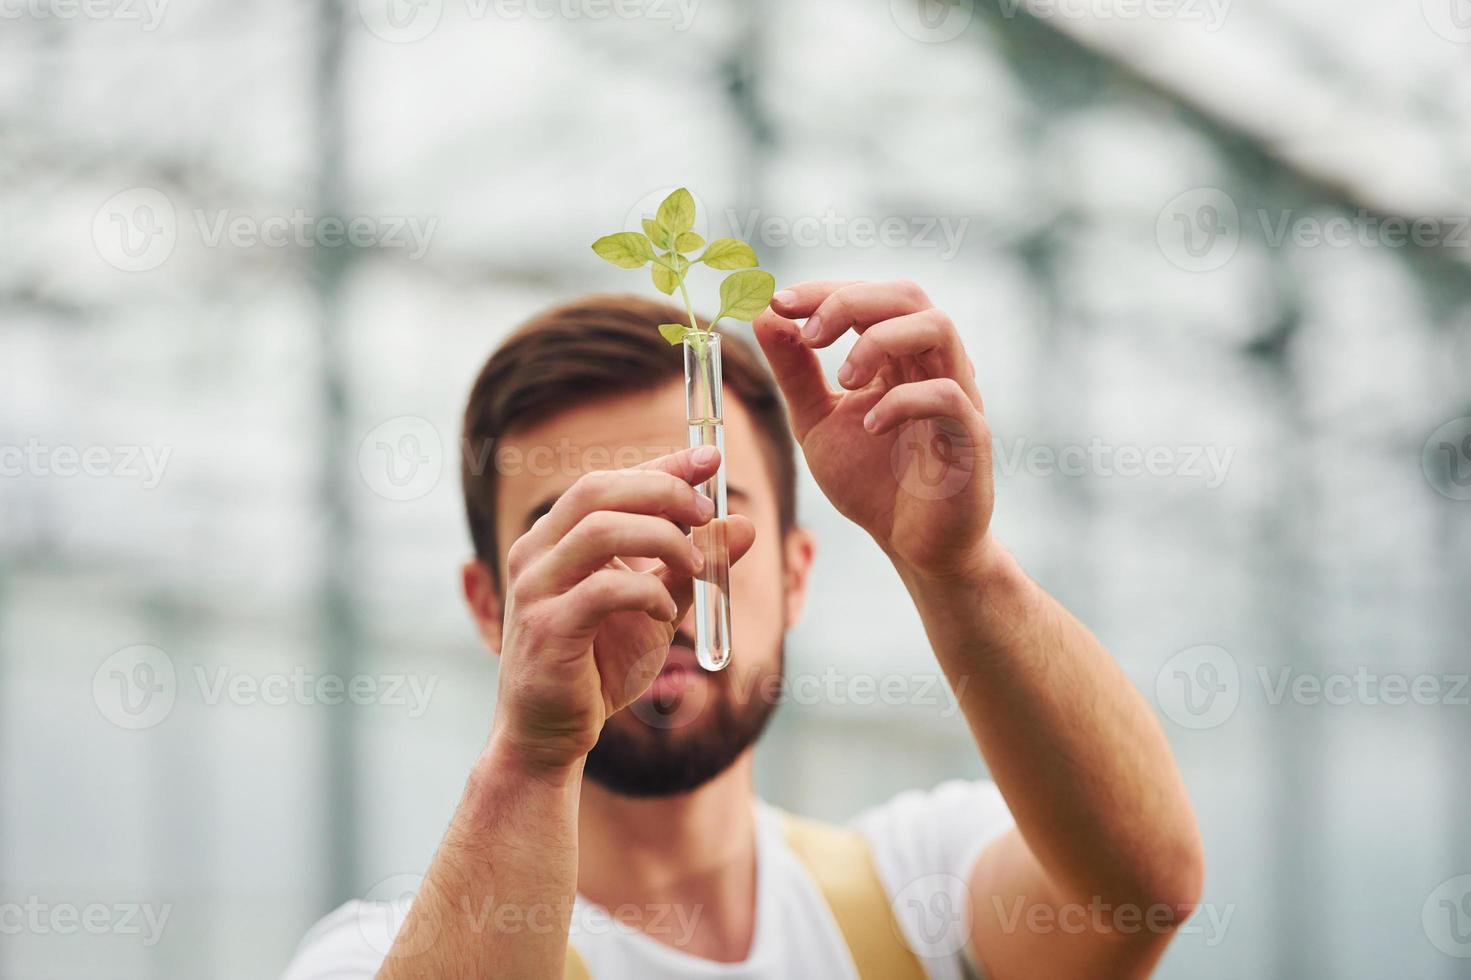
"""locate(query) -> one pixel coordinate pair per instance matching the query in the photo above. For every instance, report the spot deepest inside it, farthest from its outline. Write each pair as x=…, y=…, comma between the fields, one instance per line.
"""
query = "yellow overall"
x=839, y=861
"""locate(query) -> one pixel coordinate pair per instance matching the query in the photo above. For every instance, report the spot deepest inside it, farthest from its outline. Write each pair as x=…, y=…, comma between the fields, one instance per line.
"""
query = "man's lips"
x=681, y=655
x=681, y=671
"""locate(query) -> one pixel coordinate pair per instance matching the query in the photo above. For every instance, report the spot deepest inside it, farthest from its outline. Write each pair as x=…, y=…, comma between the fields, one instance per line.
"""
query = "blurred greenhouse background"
x=1211, y=259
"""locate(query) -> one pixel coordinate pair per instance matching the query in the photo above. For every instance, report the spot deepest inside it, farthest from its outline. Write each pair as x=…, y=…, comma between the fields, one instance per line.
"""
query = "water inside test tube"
x=712, y=587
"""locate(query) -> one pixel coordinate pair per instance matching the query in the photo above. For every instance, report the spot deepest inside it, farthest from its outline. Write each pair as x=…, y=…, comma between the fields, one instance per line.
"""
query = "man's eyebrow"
x=539, y=510
x=731, y=493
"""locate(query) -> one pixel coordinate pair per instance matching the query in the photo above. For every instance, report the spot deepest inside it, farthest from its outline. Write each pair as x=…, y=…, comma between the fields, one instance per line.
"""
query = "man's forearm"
x=1073, y=746
x=497, y=901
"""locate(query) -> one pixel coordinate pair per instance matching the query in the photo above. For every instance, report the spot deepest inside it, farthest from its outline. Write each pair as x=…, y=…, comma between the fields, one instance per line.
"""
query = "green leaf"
x=657, y=233
x=666, y=280
x=673, y=332
x=744, y=295
x=677, y=213
x=688, y=242
x=626, y=249
x=729, y=253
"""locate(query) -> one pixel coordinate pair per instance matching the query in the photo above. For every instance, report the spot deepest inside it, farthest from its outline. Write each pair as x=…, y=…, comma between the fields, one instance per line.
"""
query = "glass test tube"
x=702, y=384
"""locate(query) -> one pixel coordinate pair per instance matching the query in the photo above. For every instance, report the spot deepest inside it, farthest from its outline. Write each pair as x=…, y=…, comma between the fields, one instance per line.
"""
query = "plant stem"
x=685, y=294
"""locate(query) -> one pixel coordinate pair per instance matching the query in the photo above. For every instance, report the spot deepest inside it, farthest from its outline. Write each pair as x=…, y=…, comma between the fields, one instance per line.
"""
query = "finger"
x=694, y=466
x=602, y=536
x=796, y=302
x=859, y=306
x=928, y=336
x=610, y=590
x=797, y=372
x=637, y=490
x=928, y=399
x=740, y=534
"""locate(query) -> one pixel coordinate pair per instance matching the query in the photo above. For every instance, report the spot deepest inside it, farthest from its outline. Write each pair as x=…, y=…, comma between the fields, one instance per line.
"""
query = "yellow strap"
x=575, y=969
x=841, y=863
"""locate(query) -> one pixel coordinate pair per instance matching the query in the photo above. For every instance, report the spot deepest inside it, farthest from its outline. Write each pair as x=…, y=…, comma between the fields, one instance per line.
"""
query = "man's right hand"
x=585, y=631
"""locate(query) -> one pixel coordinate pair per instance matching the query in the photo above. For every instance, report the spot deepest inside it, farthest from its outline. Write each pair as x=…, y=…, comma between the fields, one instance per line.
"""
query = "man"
x=614, y=800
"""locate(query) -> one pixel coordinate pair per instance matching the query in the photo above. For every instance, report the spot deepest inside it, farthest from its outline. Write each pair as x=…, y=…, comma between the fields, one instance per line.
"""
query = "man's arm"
x=1106, y=840
x=904, y=450
x=573, y=639
x=497, y=901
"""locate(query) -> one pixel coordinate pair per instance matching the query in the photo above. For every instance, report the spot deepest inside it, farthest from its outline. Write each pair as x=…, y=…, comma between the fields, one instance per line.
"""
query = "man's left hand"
x=904, y=449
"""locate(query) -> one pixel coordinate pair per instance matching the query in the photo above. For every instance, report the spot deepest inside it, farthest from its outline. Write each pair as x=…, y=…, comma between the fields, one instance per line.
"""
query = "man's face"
x=691, y=724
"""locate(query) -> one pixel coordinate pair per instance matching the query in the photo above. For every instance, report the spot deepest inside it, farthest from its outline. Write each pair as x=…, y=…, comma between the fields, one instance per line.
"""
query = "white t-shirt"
x=924, y=846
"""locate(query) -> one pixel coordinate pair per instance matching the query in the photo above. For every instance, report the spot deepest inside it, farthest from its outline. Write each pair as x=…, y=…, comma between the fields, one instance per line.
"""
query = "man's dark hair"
x=591, y=349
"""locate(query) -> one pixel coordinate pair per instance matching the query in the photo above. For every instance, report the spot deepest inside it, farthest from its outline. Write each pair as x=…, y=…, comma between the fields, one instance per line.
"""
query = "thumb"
x=797, y=371
x=740, y=534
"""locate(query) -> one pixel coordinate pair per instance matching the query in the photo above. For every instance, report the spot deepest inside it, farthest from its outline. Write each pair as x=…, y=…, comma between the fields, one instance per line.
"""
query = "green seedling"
x=671, y=248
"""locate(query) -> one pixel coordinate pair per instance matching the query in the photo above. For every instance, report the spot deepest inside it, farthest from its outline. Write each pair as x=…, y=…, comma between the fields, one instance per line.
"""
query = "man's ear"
x=484, y=600
x=798, y=549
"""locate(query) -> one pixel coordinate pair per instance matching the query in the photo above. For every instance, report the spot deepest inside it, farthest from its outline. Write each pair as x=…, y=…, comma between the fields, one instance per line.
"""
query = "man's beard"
x=662, y=747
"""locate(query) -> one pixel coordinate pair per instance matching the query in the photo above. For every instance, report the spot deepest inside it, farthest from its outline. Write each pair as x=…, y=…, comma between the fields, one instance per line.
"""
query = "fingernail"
x=705, y=454
x=785, y=297
x=870, y=420
x=705, y=507
x=845, y=373
x=811, y=328
x=699, y=559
